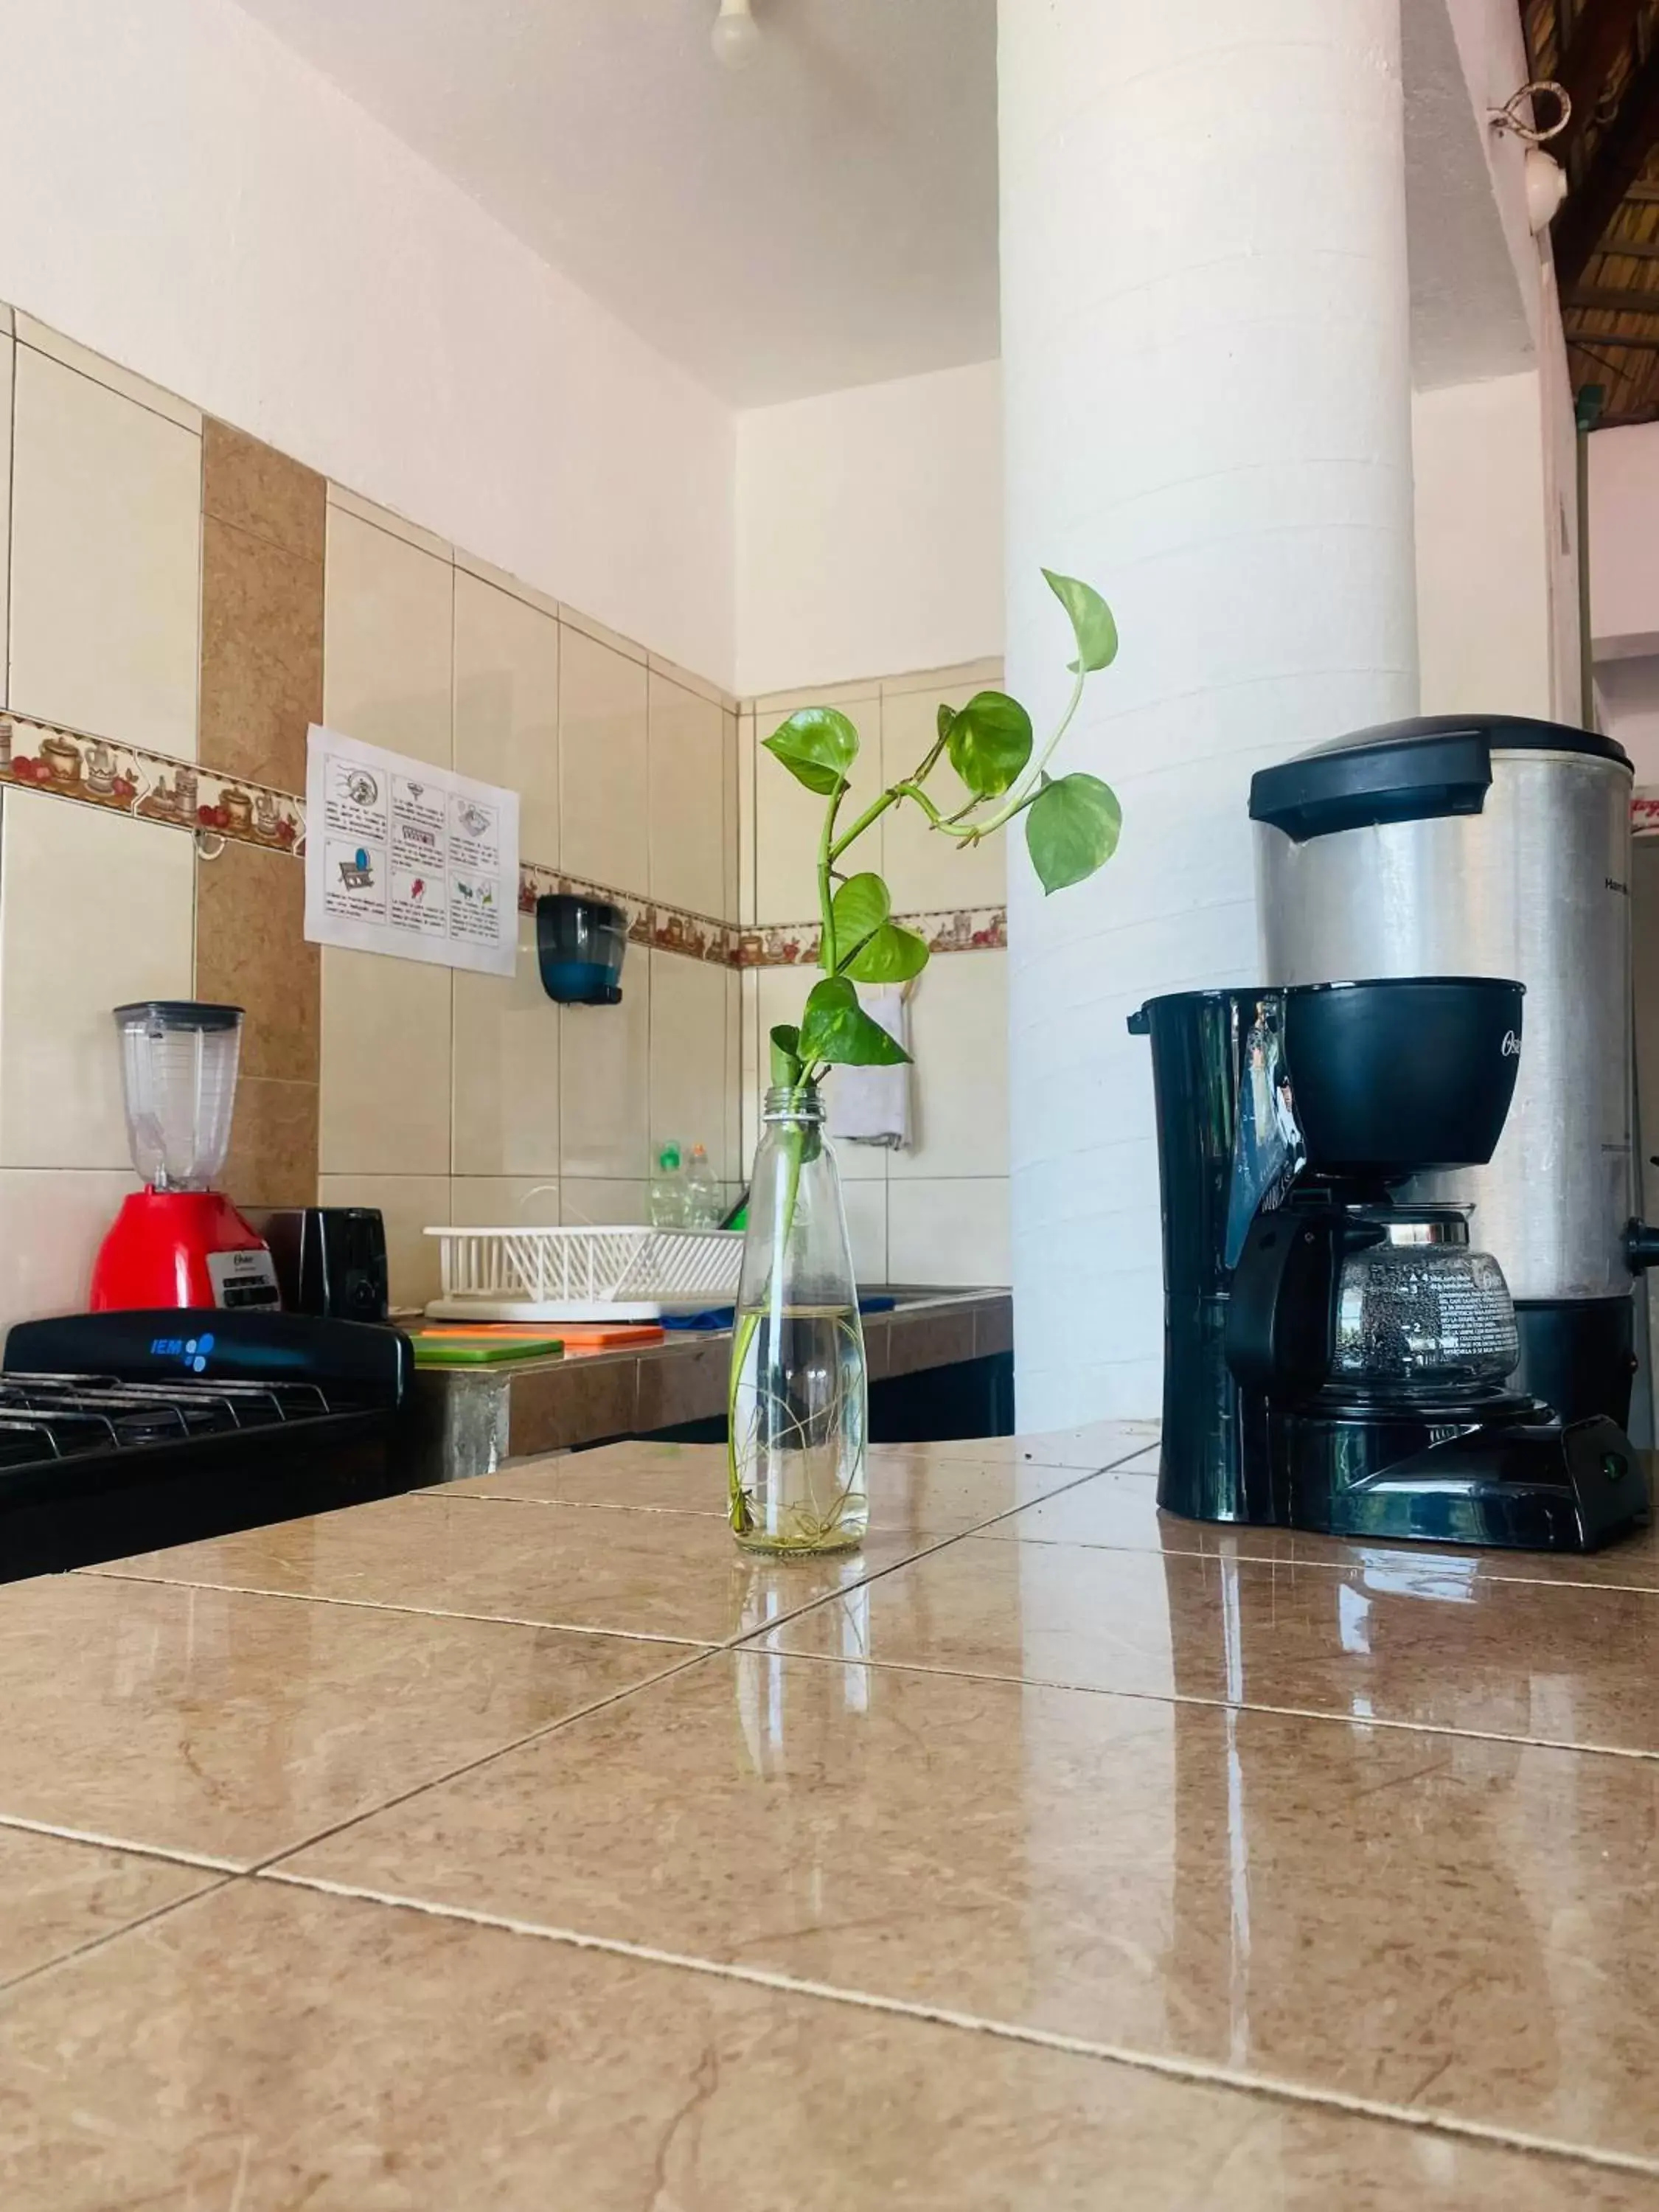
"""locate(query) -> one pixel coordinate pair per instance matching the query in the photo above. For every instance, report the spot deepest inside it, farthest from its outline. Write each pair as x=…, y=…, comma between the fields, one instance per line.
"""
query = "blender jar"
x=178, y=1061
x=1419, y=1308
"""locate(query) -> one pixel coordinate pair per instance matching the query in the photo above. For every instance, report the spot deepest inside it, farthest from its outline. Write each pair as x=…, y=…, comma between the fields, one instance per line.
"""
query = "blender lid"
x=156, y=1015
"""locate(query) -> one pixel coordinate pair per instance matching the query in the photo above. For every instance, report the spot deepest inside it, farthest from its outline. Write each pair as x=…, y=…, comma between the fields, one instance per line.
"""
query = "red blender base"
x=181, y=1247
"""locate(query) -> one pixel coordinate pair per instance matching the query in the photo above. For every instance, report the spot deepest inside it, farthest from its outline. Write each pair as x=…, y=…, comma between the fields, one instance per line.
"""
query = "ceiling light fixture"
x=736, y=34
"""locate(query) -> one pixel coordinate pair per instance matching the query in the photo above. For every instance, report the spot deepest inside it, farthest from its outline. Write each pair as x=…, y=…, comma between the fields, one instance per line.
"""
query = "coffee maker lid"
x=1411, y=771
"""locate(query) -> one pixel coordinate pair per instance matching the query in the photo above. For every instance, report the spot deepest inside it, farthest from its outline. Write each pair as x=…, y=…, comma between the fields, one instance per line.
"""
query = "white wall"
x=179, y=191
x=1624, y=497
x=869, y=531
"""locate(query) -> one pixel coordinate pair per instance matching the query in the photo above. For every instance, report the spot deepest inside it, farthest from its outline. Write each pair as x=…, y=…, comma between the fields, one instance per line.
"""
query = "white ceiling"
x=825, y=217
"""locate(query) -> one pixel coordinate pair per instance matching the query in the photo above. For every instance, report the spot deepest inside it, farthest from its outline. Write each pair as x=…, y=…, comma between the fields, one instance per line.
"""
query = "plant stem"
x=873, y=813
x=1018, y=801
x=826, y=895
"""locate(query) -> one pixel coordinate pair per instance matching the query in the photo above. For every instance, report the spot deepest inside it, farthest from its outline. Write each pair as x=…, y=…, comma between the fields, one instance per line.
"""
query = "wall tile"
x=42, y=338
x=389, y=640
x=506, y=707
x=385, y=1065
x=256, y=489
x=688, y=680
x=773, y=706
x=744, y=909
x=105, y=561
x=596, y=631
x=6, y=355
x=409, y=1205
x=968, y=676
x=688, y=1066
x=262, y=655
x=251, y=952
x=789, y=819
x=604, y=1073
x=95, y=910
x=273, y=1143
x=780, y=994
x=751, y=1038
x=503, y=580
x=959, y=1084
x=489, y=1202
x=388, y=519
x=926, y=873
x=952, y=1233
x=687, y=767
x=602, y=775
x=866, y=1226
x=506, y=1071
x=737, y=1158
x=588, y=1201
x=51, y=1222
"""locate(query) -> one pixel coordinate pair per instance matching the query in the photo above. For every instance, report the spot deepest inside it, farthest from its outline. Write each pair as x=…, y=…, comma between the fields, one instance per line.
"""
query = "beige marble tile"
x=688, y=680
x=507, y=706
x=486, y=1202
x=256, y=489
x=789, y=819
x=604, y=783
x=948, y=1230
x=390, y=522
x=388, y=654
x=676, y=1576
x=959, y=1085
x=210, y=1721
x=52, y=1222
x=270, y=2045
x=251, y=952
x=687, y=773
x=965, y=676
x=105, y=560
x=262, y=655
x=732, y=894
x=1424, y=1643
x=591, y=1202
x=409, y=1205
x=386, y=1060
x=1370, y=1912
x=689, y=1064
x=771, y=706
x=604, y=1083
x=926, y=873
x=503, y=580
x=506, y=1071
x=64, y=871
x=43, y=339
x=590, y=626
x=911, y=1493
x=866, y=1227
x=57, y=1896
x=8, y=358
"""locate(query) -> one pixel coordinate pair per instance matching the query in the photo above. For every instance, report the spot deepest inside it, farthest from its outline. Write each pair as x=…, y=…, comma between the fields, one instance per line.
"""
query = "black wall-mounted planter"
x=580, y=944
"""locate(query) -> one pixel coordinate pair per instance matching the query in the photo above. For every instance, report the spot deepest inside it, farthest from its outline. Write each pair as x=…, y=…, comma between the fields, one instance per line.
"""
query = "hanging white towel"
x=872, y=1105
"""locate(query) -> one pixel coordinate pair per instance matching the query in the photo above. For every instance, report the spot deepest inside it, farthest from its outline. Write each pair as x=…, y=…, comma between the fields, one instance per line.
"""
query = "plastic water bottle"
x=668, y=1190
x=705, y=1201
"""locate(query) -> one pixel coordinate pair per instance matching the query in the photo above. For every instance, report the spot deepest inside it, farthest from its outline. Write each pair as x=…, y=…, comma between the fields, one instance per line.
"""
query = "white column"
x=1207, y=378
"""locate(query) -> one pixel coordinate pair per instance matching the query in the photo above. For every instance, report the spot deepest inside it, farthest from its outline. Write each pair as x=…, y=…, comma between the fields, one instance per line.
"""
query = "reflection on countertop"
x=411, y=1853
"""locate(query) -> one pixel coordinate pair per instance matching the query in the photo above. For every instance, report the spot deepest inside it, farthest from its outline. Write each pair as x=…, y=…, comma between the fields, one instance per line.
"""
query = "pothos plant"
x=1071, y=826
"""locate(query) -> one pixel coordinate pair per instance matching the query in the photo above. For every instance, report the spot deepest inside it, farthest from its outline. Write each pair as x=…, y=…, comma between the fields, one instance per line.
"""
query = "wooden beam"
x=1612, y=168
x=1635, y=249
x=1612, y=300
x=1603, y=32
x=1610, y=340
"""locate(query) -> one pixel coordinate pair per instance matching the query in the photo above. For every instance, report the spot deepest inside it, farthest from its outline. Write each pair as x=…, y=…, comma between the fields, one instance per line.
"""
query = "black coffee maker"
x=1335, y=1359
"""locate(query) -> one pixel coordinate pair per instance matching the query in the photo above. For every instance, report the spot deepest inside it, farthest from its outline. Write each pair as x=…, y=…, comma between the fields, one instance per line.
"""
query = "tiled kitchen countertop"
x=470, y=1419
x=521, y=1845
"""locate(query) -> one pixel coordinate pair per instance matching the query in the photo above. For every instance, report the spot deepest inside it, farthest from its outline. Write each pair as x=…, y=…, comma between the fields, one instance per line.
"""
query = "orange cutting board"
x=577, y=1336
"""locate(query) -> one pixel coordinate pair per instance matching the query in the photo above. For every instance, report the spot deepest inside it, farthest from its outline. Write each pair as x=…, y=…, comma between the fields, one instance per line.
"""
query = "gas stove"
x=122, y=1432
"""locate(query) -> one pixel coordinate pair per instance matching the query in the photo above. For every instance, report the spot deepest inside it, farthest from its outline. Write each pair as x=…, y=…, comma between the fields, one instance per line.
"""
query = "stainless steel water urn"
x=1486, y=845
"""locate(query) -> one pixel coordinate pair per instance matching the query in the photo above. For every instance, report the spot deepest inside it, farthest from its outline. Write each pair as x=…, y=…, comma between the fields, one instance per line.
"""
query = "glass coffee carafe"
x=1418, y=1309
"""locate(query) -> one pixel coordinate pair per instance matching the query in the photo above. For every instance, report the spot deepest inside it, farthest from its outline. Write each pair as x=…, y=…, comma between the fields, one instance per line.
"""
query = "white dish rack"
x=583, y=1274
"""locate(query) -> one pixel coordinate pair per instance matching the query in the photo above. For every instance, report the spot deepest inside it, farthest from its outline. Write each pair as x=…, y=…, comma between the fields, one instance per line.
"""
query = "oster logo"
x=1510, y=1047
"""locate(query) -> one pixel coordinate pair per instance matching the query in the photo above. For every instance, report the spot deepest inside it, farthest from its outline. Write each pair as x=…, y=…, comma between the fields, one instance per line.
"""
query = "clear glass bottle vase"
x=799, y=1399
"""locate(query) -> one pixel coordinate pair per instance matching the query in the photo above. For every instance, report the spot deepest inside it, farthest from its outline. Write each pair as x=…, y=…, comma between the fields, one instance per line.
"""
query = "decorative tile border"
x=179, y=795
x=127, y=780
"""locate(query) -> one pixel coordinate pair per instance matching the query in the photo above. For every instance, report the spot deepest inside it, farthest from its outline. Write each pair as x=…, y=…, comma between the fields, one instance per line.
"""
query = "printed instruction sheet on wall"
x=412, y=860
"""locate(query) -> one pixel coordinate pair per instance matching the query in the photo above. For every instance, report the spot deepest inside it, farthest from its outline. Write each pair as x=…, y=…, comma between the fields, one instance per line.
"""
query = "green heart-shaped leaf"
x=818, y=745
x=786, y=1055
x=1072, y=829
x=859, y=908
x=835, y=1028
x=946, y=716
x=893, y=954
x=1091, y=620
x=990, y=742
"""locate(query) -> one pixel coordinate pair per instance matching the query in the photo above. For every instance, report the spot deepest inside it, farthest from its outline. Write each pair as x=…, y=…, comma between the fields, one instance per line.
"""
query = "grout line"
x=95, y=1837
x=469, y=1766
x=1194, y=2071
x=111, y=1935
x=415, y=1612
x=1214, y=1704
